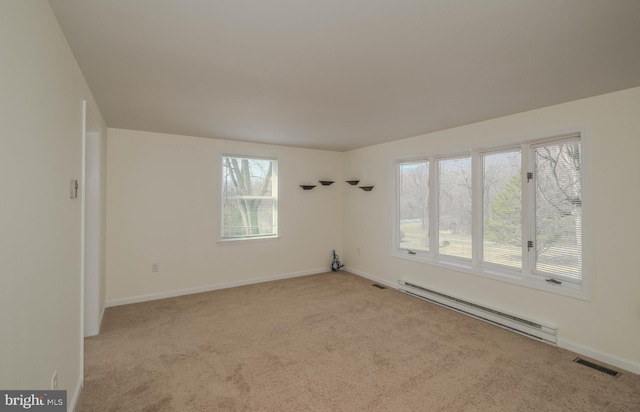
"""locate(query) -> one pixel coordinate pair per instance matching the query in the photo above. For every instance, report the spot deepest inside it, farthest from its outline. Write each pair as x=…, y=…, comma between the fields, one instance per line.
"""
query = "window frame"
x=525, y=277
x=274, y=196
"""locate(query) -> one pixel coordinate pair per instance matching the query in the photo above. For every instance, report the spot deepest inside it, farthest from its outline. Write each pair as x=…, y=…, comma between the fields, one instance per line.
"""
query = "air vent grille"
x=597, y=367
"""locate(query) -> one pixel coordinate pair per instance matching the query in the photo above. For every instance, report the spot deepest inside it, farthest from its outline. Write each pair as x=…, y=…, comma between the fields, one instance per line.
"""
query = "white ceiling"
x=343, y=74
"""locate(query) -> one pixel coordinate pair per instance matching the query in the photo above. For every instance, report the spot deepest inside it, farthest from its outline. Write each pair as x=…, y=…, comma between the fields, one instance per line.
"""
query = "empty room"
x=291, y=205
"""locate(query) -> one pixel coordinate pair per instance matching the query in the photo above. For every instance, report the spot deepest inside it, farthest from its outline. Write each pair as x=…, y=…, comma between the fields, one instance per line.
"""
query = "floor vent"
x=375, y=285
x=517, y=324
x=597, y=367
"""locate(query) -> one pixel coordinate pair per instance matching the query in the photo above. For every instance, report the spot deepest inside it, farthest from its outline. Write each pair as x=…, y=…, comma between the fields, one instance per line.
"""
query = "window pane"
x=558, y=226
x=414, y=206
x=454, y=207
x=502, y=209
x=249, y=202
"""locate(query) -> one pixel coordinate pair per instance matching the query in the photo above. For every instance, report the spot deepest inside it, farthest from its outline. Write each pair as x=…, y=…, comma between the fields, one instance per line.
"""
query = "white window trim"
x=524, y=278
x=276, y=191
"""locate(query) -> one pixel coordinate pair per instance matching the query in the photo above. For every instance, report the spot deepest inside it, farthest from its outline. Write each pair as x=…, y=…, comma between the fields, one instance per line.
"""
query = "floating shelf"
x=366, y=188
x=353, y=182
x=325, y=182
x=307, y=187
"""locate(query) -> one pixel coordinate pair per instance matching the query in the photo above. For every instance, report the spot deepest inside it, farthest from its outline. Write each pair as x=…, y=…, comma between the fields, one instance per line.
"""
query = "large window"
x=502, y=208
x=249, y=197
x=558, y=210
x=454, y=207
x=414, y=205
x=511, y=212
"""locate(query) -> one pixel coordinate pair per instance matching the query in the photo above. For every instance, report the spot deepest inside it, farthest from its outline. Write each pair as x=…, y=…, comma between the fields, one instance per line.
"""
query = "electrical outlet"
x=54, y=381
x=155, y=267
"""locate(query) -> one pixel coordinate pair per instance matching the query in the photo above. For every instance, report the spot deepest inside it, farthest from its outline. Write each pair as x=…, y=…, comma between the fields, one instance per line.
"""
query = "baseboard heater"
x=516, y=324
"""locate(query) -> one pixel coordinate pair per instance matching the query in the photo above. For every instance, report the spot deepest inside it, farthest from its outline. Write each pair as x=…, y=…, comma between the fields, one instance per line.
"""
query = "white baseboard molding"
x=376, y=279
x=595, y=354
x=613, y=360
x=71, y=406
x=209, y=288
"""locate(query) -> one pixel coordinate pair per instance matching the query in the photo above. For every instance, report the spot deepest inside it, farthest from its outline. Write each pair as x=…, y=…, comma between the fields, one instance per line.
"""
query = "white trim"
x=76, y=395
x=626, y=364
x=247, y=240
x=83, y=168
x=101, y=317
x=209, y=288
x=501, y=274
x=386, y=282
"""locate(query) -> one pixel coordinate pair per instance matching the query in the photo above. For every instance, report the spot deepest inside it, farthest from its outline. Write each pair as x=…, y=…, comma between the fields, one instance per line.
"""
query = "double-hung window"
x=509, y=212
x=249, y=197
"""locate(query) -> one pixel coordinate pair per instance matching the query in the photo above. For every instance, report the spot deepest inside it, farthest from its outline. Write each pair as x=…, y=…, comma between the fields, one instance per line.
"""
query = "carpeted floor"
x=329, y=342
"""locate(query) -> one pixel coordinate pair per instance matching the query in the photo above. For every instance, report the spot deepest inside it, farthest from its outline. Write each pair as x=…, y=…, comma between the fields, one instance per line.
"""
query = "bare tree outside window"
x=454, y=207
x=414, y=205
x=502, y=208
x=558, y=220
x=249, y=197
x=527, y=198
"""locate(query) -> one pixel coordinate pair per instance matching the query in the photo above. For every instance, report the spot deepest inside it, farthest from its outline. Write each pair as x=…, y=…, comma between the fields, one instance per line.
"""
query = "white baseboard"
x=613, y=360
x=209, y=288
x=595, y=354
x=376, y=279
x=71, y=406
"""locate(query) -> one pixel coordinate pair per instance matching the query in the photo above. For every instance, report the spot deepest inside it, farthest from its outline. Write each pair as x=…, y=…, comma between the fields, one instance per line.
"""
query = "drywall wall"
x=607, y=326
x=163, y=194
x=40, y=152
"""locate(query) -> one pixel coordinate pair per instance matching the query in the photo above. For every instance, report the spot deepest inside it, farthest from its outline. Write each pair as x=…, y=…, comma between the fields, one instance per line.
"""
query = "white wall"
x=41, y=94
x=163, y=205
x=607, y=326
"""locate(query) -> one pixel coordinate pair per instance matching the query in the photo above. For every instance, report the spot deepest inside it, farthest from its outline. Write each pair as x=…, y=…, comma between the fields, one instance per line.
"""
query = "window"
x=454, y=207
x=413, y=205
x=558, y=210
x=502, y=208
x=249, y=197
x=513, y=213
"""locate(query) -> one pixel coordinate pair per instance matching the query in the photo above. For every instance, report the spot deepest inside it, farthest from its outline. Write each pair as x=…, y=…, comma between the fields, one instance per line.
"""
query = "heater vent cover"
x=597, y=367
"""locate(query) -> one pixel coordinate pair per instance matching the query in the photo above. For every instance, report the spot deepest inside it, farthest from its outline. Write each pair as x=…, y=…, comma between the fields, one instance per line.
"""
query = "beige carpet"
x=329, y=342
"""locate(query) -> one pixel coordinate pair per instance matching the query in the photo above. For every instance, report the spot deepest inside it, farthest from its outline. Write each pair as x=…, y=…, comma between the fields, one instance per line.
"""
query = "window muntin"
x=249, y=197
x=491, y=170
x=413, y=205
x=454, y=207
x=558, y=210
x=502, y=208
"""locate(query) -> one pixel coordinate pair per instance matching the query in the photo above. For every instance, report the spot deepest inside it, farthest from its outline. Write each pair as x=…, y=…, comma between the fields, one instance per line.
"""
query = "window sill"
x=248, y=240
x=500, y=274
